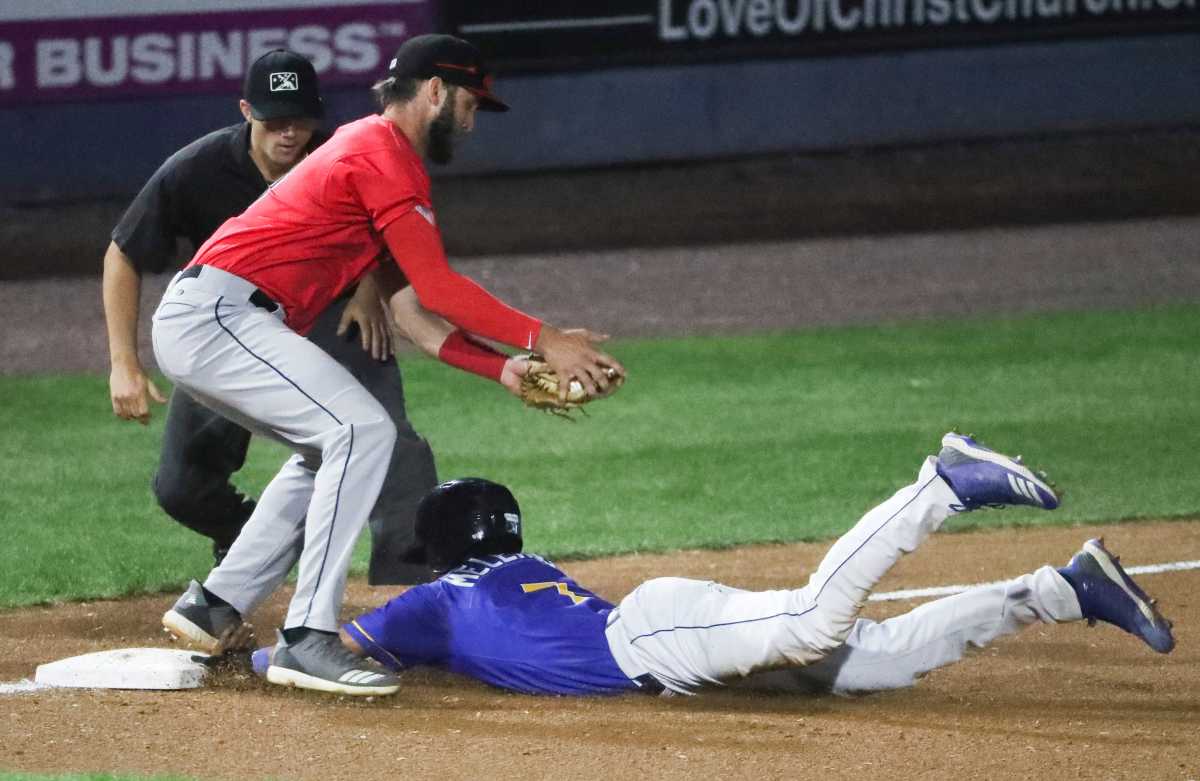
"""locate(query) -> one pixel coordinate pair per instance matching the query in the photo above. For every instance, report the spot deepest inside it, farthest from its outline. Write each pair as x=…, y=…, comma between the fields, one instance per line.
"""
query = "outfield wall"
x=89, y=107
x=757, y=107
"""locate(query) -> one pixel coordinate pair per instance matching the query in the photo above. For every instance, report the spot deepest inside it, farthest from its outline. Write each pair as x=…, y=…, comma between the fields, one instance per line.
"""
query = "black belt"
x=648, y=684
x=258, y=298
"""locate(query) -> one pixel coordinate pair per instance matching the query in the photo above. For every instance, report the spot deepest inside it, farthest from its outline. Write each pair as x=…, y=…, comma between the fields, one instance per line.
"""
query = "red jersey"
x=318, y=229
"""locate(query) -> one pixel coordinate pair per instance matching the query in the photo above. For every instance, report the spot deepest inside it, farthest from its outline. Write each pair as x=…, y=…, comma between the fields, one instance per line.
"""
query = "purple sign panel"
x=188, y=53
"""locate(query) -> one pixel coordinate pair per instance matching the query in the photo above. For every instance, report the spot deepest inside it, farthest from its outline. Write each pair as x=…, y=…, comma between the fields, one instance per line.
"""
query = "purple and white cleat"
x=1107, y=593
x=981, y=477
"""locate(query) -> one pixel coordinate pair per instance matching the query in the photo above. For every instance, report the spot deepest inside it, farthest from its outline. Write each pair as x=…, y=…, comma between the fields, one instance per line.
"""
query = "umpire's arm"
x=129, y=387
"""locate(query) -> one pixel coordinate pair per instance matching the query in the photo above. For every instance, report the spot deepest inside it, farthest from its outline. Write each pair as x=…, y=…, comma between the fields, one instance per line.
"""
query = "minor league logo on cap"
x=285, y=81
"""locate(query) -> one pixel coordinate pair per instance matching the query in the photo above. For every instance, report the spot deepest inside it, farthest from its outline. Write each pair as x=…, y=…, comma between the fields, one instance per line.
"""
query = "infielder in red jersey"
x=314, y=232
x=228, y=332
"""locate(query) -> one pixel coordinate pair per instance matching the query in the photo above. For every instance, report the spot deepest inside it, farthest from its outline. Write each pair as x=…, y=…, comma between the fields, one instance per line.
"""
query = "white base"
x=127, y=668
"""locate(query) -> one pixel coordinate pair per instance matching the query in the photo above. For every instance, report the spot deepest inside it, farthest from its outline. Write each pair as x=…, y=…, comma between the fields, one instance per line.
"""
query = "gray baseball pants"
x=241, y=361
x=202, y=450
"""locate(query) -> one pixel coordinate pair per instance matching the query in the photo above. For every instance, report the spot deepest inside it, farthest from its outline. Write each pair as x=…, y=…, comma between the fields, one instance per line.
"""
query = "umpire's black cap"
x=282, y=84
x=452, y=59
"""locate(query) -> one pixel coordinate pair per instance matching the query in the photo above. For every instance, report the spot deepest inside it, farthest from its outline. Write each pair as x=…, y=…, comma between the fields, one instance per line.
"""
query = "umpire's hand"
x=131, y=391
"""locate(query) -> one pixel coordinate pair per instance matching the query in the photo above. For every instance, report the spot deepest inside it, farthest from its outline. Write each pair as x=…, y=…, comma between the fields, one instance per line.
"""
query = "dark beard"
x=441, y=134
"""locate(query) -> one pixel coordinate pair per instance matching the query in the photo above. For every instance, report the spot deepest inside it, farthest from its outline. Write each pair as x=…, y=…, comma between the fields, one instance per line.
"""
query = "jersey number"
x=561, y=588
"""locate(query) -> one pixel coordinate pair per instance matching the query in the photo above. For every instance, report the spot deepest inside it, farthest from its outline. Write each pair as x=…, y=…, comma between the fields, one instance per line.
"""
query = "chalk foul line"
x=20, y=687
x=945, y=591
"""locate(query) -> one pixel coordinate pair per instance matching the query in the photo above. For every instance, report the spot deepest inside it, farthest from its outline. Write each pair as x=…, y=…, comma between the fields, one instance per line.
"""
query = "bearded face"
x=443, y=130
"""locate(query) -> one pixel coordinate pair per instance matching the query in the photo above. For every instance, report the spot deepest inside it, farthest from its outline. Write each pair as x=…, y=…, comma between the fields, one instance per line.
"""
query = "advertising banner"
x=553, y=34
x=164, y=47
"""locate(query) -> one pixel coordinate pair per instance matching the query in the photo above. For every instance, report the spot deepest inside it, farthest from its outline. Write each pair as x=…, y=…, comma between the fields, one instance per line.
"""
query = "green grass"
x=714, y=442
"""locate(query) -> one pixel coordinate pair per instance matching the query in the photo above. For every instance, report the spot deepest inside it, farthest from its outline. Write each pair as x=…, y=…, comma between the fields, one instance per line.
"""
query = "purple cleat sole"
x=260, y=660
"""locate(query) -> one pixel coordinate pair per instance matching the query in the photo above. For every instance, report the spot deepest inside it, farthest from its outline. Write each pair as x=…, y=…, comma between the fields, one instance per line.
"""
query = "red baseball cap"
x=453, y=60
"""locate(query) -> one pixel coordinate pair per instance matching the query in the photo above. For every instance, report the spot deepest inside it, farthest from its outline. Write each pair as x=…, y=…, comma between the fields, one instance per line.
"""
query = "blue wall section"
x=916, y=96
x=88, y=150
x=74, y=152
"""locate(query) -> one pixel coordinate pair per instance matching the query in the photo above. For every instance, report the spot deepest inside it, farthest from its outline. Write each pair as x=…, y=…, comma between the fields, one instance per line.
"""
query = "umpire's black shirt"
x=196, y=190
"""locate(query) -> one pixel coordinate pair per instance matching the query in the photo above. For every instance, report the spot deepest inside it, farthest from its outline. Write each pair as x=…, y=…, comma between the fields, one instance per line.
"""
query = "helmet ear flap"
x=467, y=517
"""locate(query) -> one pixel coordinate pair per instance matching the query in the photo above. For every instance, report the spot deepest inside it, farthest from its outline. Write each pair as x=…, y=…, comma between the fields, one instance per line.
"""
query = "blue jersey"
x=514, y=621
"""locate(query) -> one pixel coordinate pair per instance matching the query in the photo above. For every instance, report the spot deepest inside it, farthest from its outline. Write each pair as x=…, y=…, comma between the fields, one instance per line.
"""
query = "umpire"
x=197, y=189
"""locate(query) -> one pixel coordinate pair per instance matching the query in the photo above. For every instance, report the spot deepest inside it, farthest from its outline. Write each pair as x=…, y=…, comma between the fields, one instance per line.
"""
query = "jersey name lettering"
x=469, y=573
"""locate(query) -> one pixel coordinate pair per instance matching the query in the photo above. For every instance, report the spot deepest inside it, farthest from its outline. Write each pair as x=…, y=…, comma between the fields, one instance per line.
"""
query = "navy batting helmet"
x=467, y=517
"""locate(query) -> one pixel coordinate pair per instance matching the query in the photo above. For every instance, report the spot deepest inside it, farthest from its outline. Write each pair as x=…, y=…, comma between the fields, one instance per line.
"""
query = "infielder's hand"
x=131, y=391
x=514, y=369
x=573, y=356
x=374, y=326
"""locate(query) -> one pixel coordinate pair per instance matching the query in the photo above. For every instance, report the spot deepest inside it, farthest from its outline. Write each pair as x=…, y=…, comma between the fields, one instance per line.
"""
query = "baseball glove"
x=540, y=386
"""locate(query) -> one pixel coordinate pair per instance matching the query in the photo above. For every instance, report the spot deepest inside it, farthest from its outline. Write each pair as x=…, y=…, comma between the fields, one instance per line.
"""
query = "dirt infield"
x=1059, y=702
